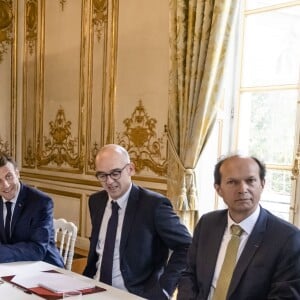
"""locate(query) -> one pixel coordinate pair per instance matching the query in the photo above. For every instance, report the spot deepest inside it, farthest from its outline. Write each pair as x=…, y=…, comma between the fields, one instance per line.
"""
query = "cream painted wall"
x=143, y=59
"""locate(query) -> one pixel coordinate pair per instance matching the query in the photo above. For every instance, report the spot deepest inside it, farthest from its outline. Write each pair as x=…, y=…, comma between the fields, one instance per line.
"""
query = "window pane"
x=272, y=47
x=267, y=125
x=253, y=4
x=276, y=195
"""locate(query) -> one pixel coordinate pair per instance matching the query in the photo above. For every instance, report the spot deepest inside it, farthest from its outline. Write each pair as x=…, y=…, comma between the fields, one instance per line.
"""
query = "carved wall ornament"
x=31, y=24
x=4, y=146
x=62, y=3
x=99, y=16
x=91, y=162
x=60, y=147
x=6, y=24
x=140, y=139
x=30, y=155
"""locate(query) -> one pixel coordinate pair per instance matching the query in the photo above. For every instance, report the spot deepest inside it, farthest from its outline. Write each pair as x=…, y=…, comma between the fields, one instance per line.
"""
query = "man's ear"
x=131, y=169
x=263, y=183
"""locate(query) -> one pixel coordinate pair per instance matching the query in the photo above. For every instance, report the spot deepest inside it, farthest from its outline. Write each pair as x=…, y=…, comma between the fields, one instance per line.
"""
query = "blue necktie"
x=109, y=245
x=8, y=219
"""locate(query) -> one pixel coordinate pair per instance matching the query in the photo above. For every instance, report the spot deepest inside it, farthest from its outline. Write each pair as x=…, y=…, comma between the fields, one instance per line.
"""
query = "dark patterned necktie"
x=8, y=219
x=109, y=245
x=228, y=264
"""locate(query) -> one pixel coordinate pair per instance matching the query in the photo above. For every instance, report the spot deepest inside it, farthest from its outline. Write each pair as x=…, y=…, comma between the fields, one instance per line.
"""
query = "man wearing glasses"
x=149, y=244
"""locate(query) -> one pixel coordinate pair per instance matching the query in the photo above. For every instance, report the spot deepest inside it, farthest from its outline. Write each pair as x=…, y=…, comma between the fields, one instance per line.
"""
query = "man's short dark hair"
x=217, y=173
x=4, y=159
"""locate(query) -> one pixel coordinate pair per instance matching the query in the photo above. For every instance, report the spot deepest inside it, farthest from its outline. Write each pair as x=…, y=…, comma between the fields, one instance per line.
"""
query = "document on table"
x=54, y=282
x=7, y=269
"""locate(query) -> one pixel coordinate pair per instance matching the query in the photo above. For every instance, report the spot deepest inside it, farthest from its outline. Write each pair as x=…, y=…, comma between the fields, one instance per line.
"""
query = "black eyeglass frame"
x=115, y=174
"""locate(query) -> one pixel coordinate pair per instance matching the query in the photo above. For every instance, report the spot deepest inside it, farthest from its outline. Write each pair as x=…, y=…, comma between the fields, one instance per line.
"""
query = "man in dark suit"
x=151, y=243
x=27, y=235
x=267, y=265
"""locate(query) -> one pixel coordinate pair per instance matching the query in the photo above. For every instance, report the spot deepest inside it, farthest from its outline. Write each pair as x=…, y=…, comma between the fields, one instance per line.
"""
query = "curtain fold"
x=199, y=38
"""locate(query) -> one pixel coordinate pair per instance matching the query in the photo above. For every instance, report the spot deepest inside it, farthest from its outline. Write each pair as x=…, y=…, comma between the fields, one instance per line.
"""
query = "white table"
x=11, y=292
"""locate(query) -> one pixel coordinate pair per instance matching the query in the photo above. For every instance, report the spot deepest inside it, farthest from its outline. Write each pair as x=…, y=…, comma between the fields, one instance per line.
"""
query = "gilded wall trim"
x=6, y=26
x=60, y=147
x=99, y=16
x=101, y=78
x=31, y=24
x=146, y=150
x=4, y=146
x=62, y=3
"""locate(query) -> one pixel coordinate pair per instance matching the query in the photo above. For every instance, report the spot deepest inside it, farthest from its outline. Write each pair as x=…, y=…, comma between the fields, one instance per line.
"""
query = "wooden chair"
x=65, y=238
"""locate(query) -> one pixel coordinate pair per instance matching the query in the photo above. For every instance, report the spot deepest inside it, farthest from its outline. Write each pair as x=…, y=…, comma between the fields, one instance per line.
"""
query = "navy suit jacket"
x=32, y=232
x=268, y=268
x=150, y=229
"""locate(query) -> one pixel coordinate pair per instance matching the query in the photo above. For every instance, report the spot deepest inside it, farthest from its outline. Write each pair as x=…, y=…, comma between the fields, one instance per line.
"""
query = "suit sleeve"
x=177, y=238
x=188, y=288
x=286, y=279
x=32, y=233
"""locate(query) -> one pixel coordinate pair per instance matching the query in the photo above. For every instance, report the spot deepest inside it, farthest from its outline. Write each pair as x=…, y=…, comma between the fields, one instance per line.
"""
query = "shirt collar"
x=247, y=224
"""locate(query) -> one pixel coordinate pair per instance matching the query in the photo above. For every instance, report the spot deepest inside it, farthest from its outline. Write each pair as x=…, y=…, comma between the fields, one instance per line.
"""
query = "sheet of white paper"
x=55, y=282
x=24, y=268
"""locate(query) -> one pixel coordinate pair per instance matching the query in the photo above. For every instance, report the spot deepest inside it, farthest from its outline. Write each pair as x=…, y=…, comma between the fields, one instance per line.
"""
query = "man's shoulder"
x=99, y=194
x=277, y=223
x=33, y=193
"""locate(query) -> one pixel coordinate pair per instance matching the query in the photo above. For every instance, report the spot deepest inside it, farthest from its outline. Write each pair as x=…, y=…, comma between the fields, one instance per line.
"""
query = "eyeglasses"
x=114, y=174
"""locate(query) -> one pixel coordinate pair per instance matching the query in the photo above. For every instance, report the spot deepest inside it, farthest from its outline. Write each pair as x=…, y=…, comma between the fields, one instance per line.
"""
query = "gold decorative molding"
x=62, y=3
x=4, y=146
x=6, y=24
x=140, y=139
x=60, y=147
x=91, y=162
x=30, y=155
x=31, y=24
x=99, y=16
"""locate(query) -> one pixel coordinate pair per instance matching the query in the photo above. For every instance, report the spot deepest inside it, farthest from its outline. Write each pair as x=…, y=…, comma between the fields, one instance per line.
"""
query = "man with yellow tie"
x=243, y=252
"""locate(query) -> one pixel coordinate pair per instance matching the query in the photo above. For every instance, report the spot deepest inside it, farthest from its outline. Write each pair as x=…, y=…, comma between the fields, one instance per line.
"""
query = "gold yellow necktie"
x=229, y=263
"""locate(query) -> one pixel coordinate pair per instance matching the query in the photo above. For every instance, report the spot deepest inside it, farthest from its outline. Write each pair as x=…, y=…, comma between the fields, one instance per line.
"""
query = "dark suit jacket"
x=150, y=229
x=32, y=233
x=268, y=268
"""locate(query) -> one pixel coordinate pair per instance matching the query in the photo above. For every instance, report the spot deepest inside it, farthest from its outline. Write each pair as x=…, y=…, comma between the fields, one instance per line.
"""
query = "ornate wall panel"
x=146, y=147
x=68, y=83
x=101, y=72
x=8, y=75
x=60, y=136
x=30, y=69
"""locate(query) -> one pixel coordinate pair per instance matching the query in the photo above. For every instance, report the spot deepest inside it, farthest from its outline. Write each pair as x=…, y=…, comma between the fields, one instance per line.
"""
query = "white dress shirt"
x=247, y=225
x=13, y=201
x=117, y=279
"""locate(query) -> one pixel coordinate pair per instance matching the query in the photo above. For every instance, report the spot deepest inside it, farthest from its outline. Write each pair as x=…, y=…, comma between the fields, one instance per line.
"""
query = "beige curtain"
x=199, y=37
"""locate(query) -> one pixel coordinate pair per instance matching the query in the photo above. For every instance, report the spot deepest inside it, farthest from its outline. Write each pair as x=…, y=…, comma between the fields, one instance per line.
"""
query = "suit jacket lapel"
x=18, y=207
x=213, y=239
x=250, y=249
x=98, y=212
x=2, y=232
x=130, y=212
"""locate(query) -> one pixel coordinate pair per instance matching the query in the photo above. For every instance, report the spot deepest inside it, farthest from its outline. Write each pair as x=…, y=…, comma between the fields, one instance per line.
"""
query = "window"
x=262, y=119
